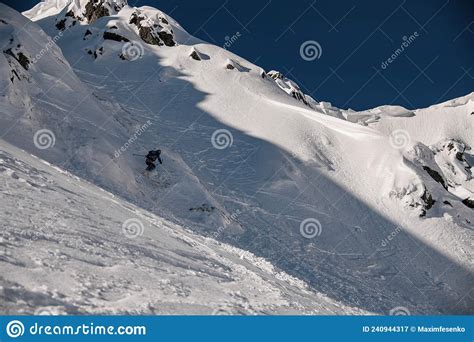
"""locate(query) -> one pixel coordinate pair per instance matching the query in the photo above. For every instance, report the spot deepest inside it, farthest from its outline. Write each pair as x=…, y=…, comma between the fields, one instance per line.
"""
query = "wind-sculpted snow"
x=367, y=209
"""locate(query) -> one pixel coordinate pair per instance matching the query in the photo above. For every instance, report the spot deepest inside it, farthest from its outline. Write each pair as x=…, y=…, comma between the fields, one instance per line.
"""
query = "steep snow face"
x=354, y=210
x=97, y=254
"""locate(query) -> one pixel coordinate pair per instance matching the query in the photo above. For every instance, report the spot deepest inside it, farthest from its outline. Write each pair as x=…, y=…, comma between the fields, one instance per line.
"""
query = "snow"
x=68, y=253
x=359, y=177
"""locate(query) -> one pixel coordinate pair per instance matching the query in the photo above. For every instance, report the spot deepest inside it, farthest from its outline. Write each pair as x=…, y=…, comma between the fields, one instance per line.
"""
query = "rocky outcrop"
x=19, y=57
x=114, y=36
x=96, y=9
x=469, y=202
x=291, y=88
x=436, y=176
x=195, y=55
x=153, y=31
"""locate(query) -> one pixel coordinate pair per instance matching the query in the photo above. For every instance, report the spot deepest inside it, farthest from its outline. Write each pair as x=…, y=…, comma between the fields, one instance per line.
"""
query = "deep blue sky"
x=356, y=37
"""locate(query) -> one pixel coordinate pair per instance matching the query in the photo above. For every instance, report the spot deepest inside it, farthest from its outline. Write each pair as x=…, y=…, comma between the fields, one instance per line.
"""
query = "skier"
x=151, y=158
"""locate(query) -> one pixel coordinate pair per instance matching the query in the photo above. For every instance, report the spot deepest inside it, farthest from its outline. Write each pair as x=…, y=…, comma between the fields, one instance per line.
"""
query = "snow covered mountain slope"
x=78, y=249
x=357, y=212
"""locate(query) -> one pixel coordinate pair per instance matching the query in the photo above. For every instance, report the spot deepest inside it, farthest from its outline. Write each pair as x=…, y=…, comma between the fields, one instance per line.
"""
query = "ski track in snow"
x=69, y=239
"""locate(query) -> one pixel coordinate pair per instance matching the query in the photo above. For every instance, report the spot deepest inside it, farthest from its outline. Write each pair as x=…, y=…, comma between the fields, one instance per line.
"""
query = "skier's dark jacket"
x=152, y=156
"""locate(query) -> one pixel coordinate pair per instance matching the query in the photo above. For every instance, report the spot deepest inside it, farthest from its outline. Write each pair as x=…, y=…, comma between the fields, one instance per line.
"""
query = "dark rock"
x=459, y=156
x=61, y=25
x=167, y=38
x=136, y=18
x=95, y=10
x=468, y=202
x=275, y=75
x=429, y=202
x=230, y=66
x=195, y=55
x=115, y=36
x=3, y=22
x=164, y=21
x=16, y=74
x=23, y=60
x=88, y=33
x=148, y=36
x=70, y=14
x=20, y=58
x=448, y=203
x=151, y=33
x=436, y=176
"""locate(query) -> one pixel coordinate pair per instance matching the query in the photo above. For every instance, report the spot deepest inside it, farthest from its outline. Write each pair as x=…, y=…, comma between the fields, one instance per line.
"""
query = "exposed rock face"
x=469, y=202
x=20, y=58
x=87, y=34
x=96, y=9
x=93, y=10
x=447, y=163
x=436, y=176
x=195, y=55
x=290, y=87
x=428, y=202
x=114, y=36
x=153, y=31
